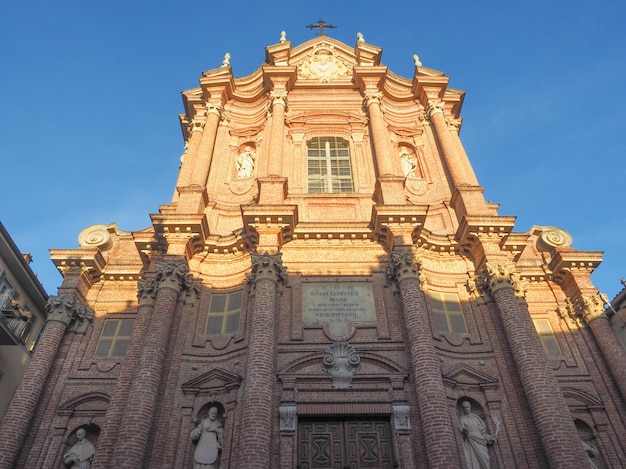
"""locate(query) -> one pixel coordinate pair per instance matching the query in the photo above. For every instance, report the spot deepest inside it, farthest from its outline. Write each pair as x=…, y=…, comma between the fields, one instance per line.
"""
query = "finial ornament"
x=283, y=36
x=416, y=60
x=226, y=61
x=359, y=37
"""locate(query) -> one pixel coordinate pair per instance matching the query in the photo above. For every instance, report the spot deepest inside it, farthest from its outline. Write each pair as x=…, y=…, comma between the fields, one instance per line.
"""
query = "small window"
x=548, y=339
x=224, y=312
x=447, y=312
x=328, y=165
x=115, y=337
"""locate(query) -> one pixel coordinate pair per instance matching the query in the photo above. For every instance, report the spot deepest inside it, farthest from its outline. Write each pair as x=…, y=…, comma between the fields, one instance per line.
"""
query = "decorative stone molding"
x=267, y=266
x=197, y=124
x=401, y=417
x=341, y=361
x=214, y=108
x=403, y=265
x=74, y=314
x=496, y=276
x=454, y=123
x=589, y=307
x=172, y=275
x=278, y=97
x=288, y=418
x=146, y=291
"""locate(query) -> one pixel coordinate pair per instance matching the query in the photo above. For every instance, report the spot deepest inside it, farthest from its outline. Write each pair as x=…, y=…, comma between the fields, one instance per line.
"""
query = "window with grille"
x=548, y=339
x=447, y=312
x=224, y=312
x=328, y=165
x=114, y=337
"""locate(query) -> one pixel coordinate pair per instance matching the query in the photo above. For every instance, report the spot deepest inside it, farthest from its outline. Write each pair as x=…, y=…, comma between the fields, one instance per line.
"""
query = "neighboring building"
x=331, y=280
x=617, y=315
x=22, y=315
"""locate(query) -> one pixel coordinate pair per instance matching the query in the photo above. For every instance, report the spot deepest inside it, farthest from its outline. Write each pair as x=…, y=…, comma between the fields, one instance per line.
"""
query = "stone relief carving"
x=81, y=453
x=592, y=454
x=341, y=361
x=409, y=163
x=146, y=291
x=404, y=265
x=245, y=162
x=402, y=417
x=589, y=307
x=208, y=438
x=288, y=418
x=267, y=265
x=323, y=65
x=172, y=275
x=495, y=276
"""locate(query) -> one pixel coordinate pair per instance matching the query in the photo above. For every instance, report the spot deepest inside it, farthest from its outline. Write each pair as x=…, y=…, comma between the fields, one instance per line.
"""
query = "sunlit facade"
x=331, y=281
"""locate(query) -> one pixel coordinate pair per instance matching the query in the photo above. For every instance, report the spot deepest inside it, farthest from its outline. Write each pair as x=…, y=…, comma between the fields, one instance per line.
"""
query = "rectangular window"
x=548, y=339
x=224, y=312
x=114, y=337
x=328, y=165
x=447, y=312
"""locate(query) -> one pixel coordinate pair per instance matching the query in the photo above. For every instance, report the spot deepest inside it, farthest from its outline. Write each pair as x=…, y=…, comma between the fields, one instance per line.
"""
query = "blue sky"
x=90, y=97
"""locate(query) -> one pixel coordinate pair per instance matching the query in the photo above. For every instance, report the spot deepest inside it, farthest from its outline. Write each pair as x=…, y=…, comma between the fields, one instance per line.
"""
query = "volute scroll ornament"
x=96, y=236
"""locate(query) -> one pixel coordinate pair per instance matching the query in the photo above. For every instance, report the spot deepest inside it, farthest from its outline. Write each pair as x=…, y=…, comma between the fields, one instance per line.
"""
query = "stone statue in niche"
x=81, y=453
x=409, y=162
x=208, y=438
x=592, y=454
x=244, y=163
x=476, y=439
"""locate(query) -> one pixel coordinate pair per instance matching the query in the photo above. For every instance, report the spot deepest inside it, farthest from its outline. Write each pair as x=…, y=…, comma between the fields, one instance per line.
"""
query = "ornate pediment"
x=465, y=376
x=90, y=404
x=215, y=381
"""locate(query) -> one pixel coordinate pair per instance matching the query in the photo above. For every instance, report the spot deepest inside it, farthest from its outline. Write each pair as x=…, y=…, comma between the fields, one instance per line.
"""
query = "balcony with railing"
x=15, y=324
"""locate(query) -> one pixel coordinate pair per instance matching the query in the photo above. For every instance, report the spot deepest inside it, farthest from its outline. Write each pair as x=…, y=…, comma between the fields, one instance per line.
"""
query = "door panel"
x=344, y=443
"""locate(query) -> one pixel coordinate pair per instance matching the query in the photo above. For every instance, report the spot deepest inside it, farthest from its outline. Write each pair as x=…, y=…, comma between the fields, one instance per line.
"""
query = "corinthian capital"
x=372, y=96
x=70, y=312
x=278, y=97
x=146, y=291
x=403, y=265
x=434, y=108
x=589, y=307
x=214, y=108
x=267, y=266
x=172, y=275
x=496, y=276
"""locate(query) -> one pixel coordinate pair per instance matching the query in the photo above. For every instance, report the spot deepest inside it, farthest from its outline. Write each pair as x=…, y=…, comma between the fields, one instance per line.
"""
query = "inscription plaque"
x=338, y=304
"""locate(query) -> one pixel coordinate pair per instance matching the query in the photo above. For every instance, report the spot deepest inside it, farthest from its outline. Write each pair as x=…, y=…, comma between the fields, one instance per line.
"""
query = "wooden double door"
x=342, y=443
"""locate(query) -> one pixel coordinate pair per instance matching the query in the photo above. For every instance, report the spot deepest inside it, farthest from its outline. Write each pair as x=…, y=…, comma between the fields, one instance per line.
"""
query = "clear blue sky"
x=90, y=97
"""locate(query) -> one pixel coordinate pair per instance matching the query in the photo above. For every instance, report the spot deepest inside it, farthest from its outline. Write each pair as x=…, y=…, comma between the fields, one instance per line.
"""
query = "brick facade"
x=274, y=294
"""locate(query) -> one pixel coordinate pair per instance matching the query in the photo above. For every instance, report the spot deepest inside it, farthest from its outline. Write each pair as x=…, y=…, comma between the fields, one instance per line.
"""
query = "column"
x=380, y=136
x=551, y=415
x=453, y=162
x=591, y=309
x=439, y=433
x=61, y=312
x=204, y=155
x=186, y=169
x=279, y=104
x=106, y=441
x=260, y=377
x=130, y=448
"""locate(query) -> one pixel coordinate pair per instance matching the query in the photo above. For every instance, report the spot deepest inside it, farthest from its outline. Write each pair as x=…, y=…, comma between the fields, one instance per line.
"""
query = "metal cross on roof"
x=321, y=25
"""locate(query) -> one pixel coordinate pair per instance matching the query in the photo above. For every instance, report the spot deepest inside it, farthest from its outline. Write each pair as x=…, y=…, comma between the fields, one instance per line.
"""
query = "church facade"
x=328, y=288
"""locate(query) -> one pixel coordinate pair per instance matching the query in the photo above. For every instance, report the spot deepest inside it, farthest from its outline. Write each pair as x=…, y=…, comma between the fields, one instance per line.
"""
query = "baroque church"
x=328, y=288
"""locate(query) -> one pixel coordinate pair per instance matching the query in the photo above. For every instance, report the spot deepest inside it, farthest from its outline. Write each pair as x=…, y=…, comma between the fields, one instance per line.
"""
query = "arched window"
x=328, y=165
